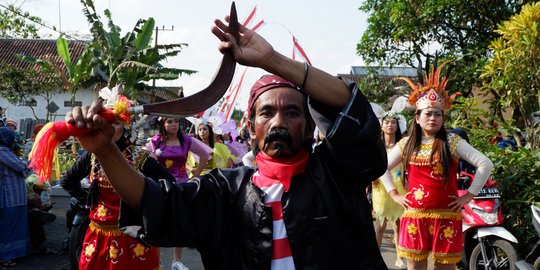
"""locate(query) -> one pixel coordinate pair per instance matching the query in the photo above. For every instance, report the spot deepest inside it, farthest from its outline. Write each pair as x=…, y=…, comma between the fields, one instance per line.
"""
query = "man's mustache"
x=278, y=134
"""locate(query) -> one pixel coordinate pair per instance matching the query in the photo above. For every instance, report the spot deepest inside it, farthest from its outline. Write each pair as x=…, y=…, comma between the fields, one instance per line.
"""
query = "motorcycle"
x=487, y=245
x=77, y=221
x=532, y=261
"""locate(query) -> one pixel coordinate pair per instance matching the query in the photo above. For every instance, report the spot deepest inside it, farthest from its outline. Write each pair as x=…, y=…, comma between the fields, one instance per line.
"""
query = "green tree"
x=408, y=32
x=379, y=89
x=16, y=23
x=70, y=74
x=512, y=73
x=237, y=115
x=20, y=86
x=517, y=172
x=130, y=59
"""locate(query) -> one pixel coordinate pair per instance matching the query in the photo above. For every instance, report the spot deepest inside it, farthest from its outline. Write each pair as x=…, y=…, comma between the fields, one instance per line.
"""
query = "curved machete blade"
x=205, y=98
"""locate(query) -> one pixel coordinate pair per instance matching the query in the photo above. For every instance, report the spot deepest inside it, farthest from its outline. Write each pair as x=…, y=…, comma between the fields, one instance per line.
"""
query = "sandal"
x=9, y=264
x=400, y=264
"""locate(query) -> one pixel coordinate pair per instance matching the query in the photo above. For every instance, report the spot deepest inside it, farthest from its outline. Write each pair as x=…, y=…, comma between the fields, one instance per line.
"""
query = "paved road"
x=57, y=232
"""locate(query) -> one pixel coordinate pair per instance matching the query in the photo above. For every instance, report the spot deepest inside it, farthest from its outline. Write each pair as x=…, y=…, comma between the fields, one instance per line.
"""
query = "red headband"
x=264, y=84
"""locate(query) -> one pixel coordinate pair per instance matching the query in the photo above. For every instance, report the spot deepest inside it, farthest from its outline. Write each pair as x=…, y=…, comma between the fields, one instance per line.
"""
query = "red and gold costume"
x=104, y=245
x=429, y=225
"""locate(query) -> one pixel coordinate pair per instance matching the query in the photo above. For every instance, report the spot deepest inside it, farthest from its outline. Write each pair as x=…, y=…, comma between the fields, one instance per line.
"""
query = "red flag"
x=229, y=99
x=226, y=98
x=229, y=111
x=251, y=15
x=243, y=120
x=258, y=25
x=297, y=49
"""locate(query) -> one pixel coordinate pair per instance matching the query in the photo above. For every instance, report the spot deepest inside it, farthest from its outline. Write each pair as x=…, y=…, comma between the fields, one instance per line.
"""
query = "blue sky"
x=327, y=30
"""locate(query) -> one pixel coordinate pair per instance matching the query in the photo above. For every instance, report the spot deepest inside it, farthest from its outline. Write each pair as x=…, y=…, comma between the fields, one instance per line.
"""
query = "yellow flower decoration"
x=412, y=229
x=431, y=229
x=168, y=163
x=449, y=232
x=89, y=250
x=102, y=210
x=139, y=250
x=419, y=194
x=113, y=252
x=121, y=109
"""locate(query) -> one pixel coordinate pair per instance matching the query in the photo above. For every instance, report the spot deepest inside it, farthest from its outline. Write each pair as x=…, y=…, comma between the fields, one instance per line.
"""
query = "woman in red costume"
x=105, y=246
x=431, y=223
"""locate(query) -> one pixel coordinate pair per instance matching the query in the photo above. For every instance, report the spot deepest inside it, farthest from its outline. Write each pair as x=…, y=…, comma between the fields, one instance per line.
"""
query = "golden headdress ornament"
x=433, y=93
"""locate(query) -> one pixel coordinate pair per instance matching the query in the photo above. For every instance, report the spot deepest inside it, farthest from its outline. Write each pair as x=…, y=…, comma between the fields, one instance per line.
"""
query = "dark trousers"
x=36, y=220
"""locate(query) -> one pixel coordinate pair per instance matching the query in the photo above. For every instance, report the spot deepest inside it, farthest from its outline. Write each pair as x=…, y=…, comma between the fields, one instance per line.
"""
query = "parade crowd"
x=287, y=191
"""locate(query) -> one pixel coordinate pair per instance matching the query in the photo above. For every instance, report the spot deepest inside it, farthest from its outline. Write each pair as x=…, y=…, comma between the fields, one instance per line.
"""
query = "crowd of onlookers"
x=25, y=205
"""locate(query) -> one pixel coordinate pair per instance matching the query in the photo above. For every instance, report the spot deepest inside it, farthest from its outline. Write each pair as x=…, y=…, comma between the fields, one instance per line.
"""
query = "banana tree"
x=71, y=74
x=130, y=59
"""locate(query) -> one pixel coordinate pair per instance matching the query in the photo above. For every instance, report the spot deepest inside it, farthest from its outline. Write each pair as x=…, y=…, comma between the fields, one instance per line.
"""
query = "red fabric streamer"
x=53, y=134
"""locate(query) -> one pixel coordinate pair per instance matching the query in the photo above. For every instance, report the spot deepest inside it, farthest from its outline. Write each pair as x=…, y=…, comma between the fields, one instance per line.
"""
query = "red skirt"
x=431, y=231
x=106, y=247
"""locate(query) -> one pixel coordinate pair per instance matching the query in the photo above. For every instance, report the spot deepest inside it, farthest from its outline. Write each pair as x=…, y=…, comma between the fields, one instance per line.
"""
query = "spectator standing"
x=14, y=238
x=171, y=147
x=221, y=155
x=385, y=209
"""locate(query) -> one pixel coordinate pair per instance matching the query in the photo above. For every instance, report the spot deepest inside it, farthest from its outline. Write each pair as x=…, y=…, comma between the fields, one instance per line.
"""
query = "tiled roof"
x=46, y=48
x=383, y=74
x=37, y=48
x=383, y=79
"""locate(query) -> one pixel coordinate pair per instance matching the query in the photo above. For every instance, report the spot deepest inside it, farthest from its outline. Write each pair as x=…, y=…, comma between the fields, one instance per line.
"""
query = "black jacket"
x=326, y=212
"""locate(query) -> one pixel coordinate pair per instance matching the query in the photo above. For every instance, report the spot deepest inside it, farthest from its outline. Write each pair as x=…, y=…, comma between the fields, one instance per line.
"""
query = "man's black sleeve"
x=156, y=171
x=188, y=214
x=353, y=137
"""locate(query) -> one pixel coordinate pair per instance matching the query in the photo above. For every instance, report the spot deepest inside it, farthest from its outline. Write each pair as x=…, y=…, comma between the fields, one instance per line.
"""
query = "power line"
x=34, y=21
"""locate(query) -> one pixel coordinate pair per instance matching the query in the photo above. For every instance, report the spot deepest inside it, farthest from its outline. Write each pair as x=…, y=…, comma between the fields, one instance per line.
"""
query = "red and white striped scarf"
x=274, y=178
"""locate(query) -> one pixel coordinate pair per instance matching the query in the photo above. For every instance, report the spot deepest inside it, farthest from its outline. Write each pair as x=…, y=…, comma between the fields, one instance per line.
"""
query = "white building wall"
x=11, y=111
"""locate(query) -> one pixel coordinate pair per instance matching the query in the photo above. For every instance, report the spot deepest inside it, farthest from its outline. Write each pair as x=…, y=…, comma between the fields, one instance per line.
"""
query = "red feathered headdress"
x=433, y=93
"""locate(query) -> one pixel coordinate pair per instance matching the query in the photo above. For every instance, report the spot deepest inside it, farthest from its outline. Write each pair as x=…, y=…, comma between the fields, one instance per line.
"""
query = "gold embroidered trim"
x=446, y=258
x=415, y=255
x=453, y=142
x=105, y=184
x=433, y=213
x=108, y=230
x=422, y=157
x=420, y=255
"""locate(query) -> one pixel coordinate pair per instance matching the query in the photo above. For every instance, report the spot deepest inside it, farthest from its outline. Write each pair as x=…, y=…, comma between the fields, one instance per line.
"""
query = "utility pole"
x=59, y=17
x=156, y=43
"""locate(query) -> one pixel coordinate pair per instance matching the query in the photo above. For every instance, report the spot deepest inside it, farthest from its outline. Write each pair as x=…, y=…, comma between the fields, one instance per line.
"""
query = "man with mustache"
x=298, y=210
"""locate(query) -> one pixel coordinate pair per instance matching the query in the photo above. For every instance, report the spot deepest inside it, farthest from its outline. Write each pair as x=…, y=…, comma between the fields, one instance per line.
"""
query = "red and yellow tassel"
x=54, y=133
